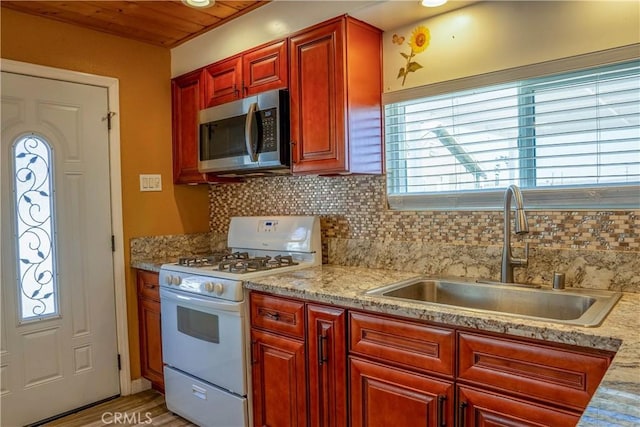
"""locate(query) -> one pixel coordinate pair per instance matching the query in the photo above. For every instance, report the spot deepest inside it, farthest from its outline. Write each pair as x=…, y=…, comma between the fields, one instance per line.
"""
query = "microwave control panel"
x=268, y=120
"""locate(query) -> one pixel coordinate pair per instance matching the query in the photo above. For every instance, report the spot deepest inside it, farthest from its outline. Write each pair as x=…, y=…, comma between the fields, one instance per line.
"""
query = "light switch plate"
x=150, y=182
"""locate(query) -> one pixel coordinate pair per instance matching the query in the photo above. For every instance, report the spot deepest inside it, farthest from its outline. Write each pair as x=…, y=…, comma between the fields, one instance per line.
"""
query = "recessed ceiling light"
x=433, y=3
x=199, y=3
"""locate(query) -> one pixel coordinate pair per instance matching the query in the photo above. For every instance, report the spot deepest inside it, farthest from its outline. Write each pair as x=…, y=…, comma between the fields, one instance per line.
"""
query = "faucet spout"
x=520, y=227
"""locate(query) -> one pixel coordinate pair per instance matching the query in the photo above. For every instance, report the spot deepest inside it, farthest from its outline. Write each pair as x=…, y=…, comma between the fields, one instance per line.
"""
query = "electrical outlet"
x=150, y=182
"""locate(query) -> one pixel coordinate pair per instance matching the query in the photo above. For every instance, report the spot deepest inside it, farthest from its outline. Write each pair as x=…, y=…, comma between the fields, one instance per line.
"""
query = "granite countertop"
x=616, y=399
x=152, y=265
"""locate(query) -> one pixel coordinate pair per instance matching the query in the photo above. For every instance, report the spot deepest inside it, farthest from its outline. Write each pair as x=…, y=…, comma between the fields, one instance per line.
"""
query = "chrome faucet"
x=521, y=227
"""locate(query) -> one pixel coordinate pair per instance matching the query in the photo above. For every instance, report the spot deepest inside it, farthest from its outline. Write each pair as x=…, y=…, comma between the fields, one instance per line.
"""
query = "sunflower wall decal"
x=418, y=43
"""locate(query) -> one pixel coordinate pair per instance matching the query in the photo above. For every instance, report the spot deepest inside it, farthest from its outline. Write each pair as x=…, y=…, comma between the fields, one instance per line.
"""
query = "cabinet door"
x=317, y=94
x=481, y=408
x=382, y=396
x=151, y=342
x=265, y=68
x=186, y=103
x=223, y=81
x=326, y=342
x=279, y=382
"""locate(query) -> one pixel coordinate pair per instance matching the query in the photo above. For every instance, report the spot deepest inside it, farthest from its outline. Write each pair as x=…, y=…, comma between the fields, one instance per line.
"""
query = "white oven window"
x=197, y=324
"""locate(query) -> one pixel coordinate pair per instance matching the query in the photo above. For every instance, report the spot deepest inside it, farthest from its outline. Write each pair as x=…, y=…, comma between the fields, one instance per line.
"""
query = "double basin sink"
x=581, y=307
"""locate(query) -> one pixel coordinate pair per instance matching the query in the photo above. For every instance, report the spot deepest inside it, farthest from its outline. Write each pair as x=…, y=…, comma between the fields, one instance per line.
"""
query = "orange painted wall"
x=143, y=71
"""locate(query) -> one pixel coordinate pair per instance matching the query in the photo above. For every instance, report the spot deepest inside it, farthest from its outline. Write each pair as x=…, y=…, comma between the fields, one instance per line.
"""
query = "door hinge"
x=119, y=363
x=113, y=243
x=108, y=117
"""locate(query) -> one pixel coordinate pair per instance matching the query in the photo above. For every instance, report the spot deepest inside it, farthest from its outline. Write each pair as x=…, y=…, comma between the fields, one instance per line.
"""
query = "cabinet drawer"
x=552, y=375
x=406, y=343
x=279, y=315
x=148, y=285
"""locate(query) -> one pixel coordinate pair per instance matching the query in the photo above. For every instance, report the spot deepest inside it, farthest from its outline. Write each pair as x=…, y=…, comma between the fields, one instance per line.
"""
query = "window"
x=35, y=228
x=570, y=140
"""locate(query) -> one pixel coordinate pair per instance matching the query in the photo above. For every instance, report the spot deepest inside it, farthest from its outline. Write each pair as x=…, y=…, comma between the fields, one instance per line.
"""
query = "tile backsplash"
x=595, y=248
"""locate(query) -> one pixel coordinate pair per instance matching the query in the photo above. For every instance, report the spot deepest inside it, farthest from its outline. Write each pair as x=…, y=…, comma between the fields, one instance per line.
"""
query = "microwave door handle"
x=249, y=137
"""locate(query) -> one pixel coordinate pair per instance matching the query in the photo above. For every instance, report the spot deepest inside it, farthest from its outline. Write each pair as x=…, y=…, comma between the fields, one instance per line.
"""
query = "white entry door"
x=59, y=348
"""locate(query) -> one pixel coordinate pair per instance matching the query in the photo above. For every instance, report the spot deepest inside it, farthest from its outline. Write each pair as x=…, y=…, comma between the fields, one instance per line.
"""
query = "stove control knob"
x=175, y=280
x=218, y=289
x=168, y=279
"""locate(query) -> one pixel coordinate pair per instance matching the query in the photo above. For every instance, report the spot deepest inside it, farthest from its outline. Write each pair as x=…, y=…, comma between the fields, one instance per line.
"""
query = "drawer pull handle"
x=149, y=286
x=462, y=412
x=274, y=316
x=441, y=420
x=199, y=392
x=322, y=351
x=254, y=359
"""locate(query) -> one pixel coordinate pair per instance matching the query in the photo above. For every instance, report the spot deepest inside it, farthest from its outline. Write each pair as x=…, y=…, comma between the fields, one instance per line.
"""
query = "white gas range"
x=205, y=331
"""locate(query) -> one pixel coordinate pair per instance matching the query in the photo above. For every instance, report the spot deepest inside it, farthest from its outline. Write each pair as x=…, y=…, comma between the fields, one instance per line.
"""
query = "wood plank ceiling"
x=164, y=23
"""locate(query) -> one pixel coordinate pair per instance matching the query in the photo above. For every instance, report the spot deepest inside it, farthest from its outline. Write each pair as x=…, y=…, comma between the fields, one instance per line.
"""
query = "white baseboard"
x=140, y=384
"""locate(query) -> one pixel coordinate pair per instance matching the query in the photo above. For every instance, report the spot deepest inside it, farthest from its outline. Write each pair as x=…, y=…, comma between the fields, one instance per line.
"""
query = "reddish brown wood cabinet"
x=478, y=407
x=278, y=362
x=257, y=70
x=265, y=68
x=293, y=358
x=385, y=396
x=327, y=356
x=335, y=88
x=279, y=380
x=223, y=81
x=408, y=373
x=186, y=101
x=149, y=328
x=537, y=372
x=409, y=344
x=408, y=380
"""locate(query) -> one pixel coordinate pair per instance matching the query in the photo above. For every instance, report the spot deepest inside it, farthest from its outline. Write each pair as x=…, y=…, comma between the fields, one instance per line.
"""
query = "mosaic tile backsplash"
x=354, y=216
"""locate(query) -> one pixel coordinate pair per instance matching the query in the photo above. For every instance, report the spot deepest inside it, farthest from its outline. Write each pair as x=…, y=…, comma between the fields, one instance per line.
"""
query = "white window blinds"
x=576, y=132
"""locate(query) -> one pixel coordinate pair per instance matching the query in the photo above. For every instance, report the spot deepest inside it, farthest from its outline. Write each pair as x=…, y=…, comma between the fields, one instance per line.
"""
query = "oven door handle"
x=210, y=304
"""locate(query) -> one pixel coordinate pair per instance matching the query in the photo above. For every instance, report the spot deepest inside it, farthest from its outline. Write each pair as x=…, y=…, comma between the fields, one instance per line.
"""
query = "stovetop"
x=258, y=246
x=237, y=262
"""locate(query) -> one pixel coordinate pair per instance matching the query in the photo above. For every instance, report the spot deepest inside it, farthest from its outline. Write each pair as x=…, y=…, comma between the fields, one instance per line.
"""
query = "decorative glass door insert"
x=35, y=228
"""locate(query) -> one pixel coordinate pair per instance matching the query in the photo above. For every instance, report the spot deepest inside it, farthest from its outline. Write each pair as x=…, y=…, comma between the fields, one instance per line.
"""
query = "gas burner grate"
x=245, y=264
x=202, y=260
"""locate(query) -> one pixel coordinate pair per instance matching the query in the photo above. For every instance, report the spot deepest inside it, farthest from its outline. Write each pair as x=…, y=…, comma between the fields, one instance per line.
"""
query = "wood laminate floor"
x=133, y=410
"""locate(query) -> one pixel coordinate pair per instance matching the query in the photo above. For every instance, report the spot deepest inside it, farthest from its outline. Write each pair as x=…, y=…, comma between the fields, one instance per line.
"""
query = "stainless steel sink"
x=583, y=307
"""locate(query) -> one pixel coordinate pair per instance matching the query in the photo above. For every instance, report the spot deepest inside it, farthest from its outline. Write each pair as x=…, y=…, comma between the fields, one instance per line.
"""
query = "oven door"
x=205, y=338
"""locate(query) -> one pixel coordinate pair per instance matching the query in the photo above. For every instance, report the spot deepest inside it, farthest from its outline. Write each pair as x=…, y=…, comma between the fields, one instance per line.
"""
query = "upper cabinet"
x=265, y=68
x=223, y=81
x=186, y=94
x=334, y=74
x=257, y=70
x=335, y=88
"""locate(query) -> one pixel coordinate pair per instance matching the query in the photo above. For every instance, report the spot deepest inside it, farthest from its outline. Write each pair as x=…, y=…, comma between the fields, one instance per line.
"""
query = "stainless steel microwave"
x=250, y=135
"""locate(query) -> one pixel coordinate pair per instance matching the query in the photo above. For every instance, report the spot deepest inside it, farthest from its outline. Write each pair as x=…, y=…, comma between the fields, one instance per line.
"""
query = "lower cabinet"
x=401, y=372
x=326, y=342
x=149, y=328
x=386, y=396
x=279, y=380
x=298, y=350
x=477, y=407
